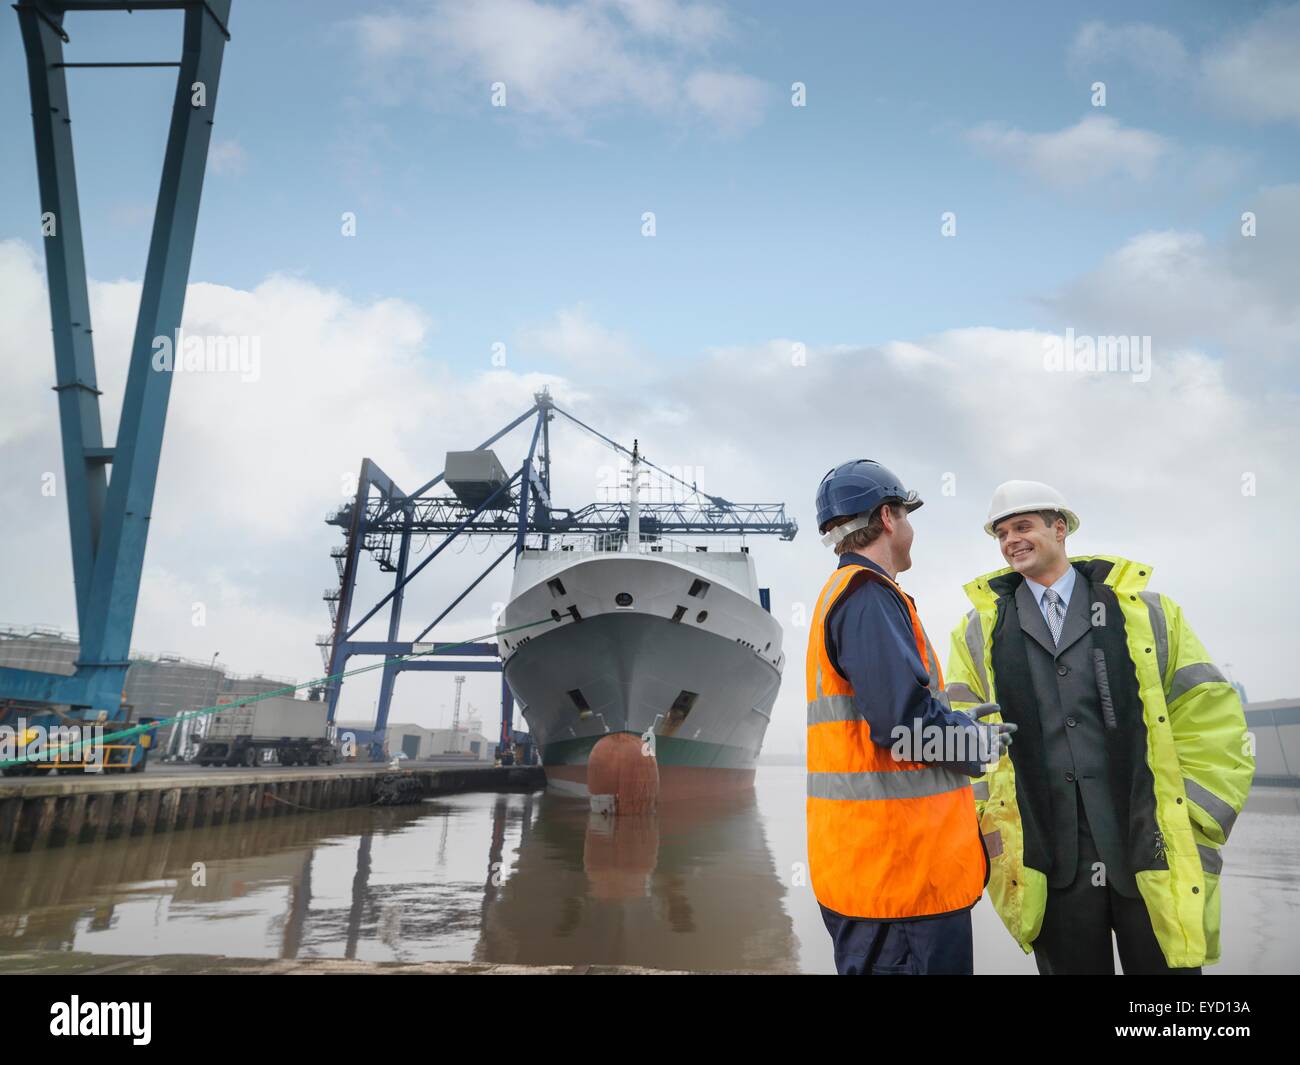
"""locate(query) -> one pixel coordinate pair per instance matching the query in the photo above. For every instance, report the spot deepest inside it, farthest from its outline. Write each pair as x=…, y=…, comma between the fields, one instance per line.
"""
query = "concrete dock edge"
x=67, y=810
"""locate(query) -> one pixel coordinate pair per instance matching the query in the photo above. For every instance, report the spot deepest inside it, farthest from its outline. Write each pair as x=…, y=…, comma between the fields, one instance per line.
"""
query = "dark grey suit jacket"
x=1074, y=739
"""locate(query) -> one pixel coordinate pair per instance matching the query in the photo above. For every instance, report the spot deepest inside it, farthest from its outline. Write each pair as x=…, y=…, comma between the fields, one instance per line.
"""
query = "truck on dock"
x=295, y=729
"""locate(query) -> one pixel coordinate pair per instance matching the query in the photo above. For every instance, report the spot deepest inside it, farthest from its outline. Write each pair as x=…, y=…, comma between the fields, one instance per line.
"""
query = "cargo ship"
x=659, y=639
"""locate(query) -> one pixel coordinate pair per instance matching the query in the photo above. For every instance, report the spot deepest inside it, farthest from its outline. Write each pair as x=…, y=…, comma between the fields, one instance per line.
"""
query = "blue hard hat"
x=858, y=487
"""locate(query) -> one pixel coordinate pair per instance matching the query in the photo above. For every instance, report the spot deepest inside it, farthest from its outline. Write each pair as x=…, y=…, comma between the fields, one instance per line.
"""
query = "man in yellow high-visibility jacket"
x=1131, y=761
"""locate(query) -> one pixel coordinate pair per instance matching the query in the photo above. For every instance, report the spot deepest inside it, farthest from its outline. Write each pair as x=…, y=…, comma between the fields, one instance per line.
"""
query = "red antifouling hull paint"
x=619, y=766
x=676, y=782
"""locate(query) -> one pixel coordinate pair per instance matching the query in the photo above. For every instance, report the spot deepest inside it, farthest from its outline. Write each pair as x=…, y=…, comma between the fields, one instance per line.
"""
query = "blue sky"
x=819, y=222
x=775, y=225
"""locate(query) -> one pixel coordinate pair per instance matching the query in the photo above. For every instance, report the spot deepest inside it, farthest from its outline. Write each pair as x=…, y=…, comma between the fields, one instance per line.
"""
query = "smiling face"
x=1032, y=547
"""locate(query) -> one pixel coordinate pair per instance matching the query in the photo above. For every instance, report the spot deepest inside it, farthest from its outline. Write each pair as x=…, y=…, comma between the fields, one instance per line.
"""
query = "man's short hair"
x=869, y=533
x=1050, y=518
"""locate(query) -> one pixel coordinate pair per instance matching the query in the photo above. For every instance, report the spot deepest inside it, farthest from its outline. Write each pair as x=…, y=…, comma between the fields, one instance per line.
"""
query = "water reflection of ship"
x=694, y=887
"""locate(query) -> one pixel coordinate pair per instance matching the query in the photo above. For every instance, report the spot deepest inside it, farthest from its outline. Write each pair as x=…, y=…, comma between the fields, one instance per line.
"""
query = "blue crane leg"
x=108, y=518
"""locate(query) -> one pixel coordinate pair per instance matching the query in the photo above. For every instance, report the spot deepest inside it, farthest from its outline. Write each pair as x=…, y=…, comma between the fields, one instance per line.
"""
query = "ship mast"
x=634, y=501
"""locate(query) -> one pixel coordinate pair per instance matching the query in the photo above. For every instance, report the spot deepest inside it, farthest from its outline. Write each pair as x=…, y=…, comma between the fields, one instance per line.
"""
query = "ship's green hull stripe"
x=669, y=751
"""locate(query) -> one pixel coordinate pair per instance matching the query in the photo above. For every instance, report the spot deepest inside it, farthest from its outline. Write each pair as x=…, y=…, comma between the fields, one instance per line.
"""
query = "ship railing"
x=617, y=542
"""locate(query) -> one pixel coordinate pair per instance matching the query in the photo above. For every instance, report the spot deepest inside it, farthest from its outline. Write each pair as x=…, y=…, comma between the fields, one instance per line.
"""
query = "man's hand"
x=993, y=738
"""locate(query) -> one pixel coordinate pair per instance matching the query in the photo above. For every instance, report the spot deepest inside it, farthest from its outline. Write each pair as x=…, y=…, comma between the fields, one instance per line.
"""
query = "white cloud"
x=1154, y=468
x=579, y=341
x=1235, y=298
x=1256, y=73
x=1096, y=149
x=568, y=63
x=250, y=469
x=690, y=24
x=1137, y=46
x=1252, y=72
x=23, y=283
x=227, y=158
x=731, y=101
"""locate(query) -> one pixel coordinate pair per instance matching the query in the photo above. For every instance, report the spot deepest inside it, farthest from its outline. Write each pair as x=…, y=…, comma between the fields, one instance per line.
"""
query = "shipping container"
x=293, y=729
x=271, y=718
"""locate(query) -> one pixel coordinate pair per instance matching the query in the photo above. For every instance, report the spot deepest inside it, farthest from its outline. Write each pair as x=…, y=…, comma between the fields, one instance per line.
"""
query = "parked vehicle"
x=294, y=729
x=49, y=734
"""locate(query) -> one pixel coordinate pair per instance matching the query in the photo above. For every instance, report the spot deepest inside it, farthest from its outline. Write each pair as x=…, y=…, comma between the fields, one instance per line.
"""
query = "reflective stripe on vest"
x=914, y=784
x=887, y=838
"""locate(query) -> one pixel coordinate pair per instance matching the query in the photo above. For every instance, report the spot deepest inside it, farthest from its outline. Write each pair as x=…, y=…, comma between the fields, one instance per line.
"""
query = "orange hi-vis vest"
x=887, y=839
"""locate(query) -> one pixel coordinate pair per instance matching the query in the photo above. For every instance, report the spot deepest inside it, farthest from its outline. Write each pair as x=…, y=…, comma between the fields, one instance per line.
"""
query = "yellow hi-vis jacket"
x=1184, y=722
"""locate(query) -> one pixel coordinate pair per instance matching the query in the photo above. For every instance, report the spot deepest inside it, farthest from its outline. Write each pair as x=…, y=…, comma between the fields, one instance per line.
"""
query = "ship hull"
x=687, y=778
x=628, y=671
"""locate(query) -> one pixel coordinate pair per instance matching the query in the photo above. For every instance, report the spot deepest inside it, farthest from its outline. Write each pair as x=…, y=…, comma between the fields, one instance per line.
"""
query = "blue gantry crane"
x=381, y=520
x=108, y=516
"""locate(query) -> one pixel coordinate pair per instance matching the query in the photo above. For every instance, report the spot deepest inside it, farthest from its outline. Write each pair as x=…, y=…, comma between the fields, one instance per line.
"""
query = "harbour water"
x=532, y=878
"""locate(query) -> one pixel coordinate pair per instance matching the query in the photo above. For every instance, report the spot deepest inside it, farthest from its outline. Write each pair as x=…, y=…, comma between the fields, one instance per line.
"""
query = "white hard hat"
x=1025, y=497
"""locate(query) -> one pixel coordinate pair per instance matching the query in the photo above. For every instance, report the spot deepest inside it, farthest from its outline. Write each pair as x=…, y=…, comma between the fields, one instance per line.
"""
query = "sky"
x=761, y=239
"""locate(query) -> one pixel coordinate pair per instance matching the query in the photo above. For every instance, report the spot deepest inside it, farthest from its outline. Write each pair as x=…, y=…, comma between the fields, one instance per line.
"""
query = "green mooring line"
x=188, y=715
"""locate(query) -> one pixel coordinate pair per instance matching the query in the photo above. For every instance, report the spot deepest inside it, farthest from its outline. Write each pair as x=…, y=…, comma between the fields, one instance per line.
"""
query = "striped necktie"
x=1055, y=614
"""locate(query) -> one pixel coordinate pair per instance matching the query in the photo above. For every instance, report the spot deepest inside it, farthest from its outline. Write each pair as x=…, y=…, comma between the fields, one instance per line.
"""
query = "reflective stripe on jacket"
x=887, y=839
x=1184, y=716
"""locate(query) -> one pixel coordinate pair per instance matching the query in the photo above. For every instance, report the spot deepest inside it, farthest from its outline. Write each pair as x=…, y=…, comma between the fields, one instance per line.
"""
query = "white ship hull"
x=671, y=642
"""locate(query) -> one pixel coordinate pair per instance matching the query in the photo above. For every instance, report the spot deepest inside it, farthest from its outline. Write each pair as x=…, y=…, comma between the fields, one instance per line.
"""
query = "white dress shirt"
x=1063, y=587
